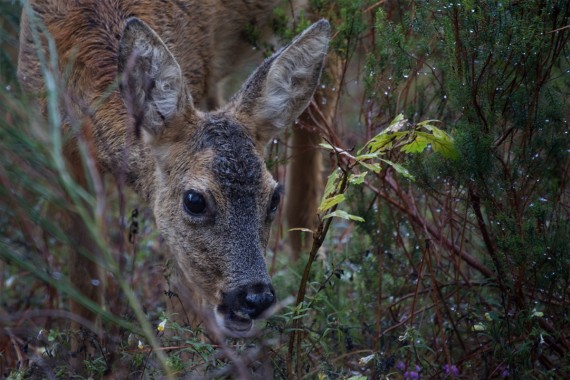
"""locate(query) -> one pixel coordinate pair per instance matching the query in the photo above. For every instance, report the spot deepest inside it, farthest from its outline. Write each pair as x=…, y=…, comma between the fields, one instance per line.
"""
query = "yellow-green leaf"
x=375, y=167
x=326, y=146
x=426, y=123
x=344, y=215
x=366, y=156
x=301, y=229
x=418, y=145
x=330, y=202
x=331, y=184
x=357, y=179
x=478, y=327
x=400, y=169
x=381, y=142
x=441, y=142
x=397, y=123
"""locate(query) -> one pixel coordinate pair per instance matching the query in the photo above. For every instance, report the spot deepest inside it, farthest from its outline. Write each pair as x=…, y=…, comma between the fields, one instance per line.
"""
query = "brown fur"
x=170, y=55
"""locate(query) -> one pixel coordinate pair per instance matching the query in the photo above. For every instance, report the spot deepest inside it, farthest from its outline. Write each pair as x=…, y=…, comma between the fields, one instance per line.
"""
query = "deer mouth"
x=242, y=305
x=232, y=324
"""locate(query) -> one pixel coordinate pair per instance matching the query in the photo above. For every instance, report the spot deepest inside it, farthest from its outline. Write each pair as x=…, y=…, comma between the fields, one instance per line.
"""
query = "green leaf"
x=375, y=167
x=366, y=156
x=396, y=124
x=380, y=142
x=326, y=146
x=441, y=143
x=331, y=184
x=400, y=169
x=426, y=124
x=330, y=202
x=344, y=215
x=383, y=140
x=440, y=140
x=357, y=179
x=417, y=145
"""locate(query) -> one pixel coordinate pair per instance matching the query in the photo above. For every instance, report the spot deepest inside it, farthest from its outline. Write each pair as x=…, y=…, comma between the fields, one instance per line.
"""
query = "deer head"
x=213, y=199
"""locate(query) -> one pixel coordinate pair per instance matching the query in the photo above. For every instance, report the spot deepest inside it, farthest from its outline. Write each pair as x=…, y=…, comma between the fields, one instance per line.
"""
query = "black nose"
x=251, y=300
x=257, y=303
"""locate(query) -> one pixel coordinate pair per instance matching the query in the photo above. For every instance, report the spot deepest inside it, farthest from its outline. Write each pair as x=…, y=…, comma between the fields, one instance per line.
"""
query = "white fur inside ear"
x=153, y=87
x=164, y=83
x=292, y=79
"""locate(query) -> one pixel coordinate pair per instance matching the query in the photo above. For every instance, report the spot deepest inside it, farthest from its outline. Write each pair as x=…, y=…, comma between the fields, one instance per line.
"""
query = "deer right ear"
x=282, y=87
x=152, y=85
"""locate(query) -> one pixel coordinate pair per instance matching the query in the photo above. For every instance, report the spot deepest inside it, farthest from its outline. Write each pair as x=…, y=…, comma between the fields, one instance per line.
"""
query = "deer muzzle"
x=242, y=305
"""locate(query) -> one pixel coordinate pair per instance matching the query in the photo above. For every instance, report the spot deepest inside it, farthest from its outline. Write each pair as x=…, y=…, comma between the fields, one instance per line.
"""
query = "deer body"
x=202, y=173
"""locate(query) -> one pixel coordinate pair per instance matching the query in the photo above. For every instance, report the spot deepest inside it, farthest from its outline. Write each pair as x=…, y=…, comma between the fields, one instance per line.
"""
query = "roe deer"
x=202, y=173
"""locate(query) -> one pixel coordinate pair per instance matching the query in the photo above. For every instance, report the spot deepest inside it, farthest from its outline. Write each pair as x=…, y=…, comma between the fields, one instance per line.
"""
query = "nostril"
x=257, y=303
x=248, y=301
x=260, y=300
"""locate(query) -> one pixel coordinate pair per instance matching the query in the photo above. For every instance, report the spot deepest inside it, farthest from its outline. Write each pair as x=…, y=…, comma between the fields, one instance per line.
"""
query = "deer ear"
x=282, y=87
x=152, y=85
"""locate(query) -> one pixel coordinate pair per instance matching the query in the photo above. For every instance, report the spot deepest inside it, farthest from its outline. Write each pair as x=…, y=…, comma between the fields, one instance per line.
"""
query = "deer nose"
x=256, y=299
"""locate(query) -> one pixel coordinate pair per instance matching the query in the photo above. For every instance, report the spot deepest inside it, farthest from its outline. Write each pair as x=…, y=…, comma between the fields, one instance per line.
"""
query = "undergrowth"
x=443, y=255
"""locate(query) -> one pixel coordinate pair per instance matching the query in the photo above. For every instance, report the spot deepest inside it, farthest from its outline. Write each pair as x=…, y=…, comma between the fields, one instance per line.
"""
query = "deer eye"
x=194, y=202
x=275, y=200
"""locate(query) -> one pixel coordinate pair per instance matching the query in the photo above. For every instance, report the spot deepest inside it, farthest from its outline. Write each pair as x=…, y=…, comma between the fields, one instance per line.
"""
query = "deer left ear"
x=282, y=87
x=152, y=85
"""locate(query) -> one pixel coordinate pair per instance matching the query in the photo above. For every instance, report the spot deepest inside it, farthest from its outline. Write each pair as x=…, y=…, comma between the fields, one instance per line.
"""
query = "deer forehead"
x=219, y=156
